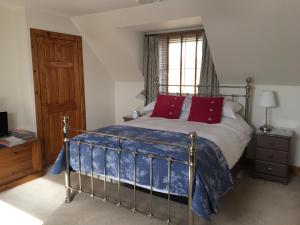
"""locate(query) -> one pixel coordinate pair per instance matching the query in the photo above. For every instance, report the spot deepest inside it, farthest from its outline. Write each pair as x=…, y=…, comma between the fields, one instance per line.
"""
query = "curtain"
x=151, y=67
x=209, y=82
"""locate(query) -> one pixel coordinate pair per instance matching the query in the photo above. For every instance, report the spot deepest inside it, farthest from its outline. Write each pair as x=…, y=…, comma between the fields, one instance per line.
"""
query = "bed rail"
x=191, y=149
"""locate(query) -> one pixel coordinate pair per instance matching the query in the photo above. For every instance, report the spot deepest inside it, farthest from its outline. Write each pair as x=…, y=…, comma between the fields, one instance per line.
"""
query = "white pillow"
x=186, y=106
x=230, y=109
x=149, y=107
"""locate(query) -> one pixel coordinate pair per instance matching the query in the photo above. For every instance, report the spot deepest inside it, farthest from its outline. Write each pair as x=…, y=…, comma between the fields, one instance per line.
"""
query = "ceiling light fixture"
x=142, y=2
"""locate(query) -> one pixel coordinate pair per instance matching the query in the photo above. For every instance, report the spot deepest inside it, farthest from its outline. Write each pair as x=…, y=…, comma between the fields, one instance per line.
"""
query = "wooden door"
x=59, y=89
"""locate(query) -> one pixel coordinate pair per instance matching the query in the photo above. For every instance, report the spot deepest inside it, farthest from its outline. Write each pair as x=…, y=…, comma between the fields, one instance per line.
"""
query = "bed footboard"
x=69, y=189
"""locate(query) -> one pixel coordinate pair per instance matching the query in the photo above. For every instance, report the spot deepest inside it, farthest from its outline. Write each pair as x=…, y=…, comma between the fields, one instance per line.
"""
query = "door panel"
x=58, y=58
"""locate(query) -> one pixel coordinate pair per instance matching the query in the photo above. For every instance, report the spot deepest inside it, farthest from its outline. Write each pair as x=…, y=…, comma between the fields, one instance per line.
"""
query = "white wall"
x=125, y=101
x=14, y=72
x=115, y=36
x=99, y=86
x=16, y=86
x=99, y=91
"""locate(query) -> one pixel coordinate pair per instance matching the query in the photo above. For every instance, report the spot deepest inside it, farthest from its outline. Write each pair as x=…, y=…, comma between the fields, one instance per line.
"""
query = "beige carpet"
x=252, y=202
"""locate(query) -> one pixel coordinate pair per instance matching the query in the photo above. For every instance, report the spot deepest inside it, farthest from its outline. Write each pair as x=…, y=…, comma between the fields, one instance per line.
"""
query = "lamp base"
x=266, y=128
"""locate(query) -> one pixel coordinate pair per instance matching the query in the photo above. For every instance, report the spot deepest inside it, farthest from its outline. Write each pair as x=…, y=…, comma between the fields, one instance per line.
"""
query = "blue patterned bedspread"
x=212, y=177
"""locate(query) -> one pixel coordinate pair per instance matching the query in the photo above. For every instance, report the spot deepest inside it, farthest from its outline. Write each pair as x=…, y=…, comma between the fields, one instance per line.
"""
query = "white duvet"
x=231, y=135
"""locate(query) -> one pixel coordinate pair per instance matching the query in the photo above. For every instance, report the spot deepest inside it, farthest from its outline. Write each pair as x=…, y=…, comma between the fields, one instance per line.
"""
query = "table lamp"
x=141, y=96
x=267, y=100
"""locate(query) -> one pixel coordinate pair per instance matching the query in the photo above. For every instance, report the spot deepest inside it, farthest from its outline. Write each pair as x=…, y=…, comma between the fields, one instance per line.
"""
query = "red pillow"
x=206, y=109
x=168, y=106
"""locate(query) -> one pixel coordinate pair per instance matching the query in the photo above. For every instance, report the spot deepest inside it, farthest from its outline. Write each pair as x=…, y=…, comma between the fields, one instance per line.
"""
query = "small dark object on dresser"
x=3, y=124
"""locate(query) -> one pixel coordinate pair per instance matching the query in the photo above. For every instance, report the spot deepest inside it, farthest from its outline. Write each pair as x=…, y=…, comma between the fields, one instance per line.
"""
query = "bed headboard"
x=239, y=93
x=236, y=92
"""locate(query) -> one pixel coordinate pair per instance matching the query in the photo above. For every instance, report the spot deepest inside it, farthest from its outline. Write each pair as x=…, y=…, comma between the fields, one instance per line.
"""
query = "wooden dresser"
x=20, y=164
x=272, y=154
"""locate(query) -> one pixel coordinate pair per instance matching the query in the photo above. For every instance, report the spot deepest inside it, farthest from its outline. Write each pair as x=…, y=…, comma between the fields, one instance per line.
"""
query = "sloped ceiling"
x=71, y=7
x=246, y=37
x=117, y=36
x=254, y=37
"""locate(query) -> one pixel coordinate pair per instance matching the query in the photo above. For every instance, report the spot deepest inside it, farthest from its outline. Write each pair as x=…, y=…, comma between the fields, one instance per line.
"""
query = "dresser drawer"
x=272, y=155
x=277, y=143
x=15, y=160
x=271, y=168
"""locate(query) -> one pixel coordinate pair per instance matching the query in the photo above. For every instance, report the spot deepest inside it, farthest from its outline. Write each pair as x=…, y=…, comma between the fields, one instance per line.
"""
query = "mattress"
x=231, y=135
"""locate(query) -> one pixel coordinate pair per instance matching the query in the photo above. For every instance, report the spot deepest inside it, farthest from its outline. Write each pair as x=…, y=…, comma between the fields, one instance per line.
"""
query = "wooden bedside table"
x=271, y=154
x=20, y=164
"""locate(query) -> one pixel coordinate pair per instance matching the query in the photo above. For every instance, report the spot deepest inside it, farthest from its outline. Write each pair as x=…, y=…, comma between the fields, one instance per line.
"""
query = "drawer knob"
x=270, y=168
x=271, y=156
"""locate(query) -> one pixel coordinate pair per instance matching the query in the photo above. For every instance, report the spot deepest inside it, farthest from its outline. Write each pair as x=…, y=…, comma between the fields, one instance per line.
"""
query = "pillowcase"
x=168, y=106
x=230, y=108
x=149, y=107
x=206, y=109
x=185, y=111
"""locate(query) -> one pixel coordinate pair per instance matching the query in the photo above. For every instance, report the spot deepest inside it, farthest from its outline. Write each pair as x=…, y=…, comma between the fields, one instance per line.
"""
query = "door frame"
x=34, y=34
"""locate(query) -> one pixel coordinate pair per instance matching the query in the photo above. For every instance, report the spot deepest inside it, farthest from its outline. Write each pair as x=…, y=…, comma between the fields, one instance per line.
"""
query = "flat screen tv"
x=3, y=124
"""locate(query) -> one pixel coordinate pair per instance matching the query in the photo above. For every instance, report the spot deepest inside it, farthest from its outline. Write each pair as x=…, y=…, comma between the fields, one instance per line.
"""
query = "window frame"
x=163, y=87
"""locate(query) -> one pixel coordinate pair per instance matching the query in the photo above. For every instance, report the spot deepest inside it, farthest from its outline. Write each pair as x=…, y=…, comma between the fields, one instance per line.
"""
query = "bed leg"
x=67, y=157
x=192, y=149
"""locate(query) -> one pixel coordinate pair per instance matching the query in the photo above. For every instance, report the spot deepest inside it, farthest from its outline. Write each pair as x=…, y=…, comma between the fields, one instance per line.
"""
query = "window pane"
x=199, y=61
x=188, y=54
x=174, y=55
x=174, y=76
x=174, y=89
x=188, y=76
x=190, y=90
x=177, y=48
x=198, y=76
x=199, y=54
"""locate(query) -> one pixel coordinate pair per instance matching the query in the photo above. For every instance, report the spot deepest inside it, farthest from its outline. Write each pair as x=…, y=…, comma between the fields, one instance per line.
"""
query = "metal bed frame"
x=191, y=149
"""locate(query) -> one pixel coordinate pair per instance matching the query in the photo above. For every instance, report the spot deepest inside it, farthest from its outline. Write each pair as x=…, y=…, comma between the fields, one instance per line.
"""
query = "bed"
x=161, y=155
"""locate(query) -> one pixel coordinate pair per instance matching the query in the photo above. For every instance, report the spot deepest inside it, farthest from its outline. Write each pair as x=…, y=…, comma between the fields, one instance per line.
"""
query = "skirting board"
x=295, y=170
x=22, y=180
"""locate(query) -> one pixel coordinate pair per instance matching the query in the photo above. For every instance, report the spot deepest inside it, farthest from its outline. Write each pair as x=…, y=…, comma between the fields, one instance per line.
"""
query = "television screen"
x=3, y=124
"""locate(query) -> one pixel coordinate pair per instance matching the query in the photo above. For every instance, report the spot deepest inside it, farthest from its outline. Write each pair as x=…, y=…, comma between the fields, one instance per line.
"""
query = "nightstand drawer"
x=271, y=155
x=271, y=168
x=272, y=142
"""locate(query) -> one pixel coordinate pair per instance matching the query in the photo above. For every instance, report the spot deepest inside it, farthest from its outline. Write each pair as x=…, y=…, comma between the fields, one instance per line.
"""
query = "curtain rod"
x=174, y=30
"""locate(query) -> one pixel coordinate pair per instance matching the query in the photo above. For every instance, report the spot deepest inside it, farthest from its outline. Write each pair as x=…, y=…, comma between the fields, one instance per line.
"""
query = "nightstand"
x=128, y=118
x=272, y=154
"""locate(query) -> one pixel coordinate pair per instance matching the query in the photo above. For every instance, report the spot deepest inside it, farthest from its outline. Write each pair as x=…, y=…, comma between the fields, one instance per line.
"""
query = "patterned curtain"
x=151, y=67
x=209, y=82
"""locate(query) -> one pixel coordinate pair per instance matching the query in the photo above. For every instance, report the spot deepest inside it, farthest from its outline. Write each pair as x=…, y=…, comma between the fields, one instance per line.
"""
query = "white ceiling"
x=169, y=25
x=73, y=7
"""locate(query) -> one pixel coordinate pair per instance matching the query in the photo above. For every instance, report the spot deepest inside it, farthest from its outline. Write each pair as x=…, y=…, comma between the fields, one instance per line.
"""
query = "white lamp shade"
x=141, y=96
x=267, y=99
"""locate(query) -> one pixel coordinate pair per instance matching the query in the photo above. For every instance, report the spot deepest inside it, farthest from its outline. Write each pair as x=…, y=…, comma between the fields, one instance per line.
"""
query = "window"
x=180, y=62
